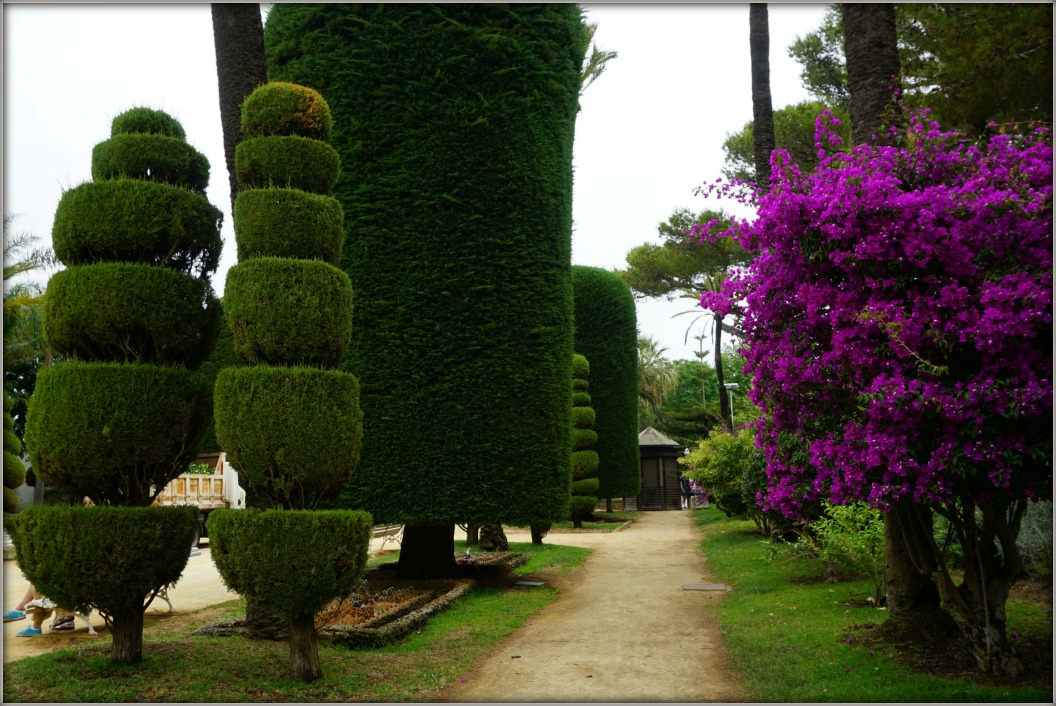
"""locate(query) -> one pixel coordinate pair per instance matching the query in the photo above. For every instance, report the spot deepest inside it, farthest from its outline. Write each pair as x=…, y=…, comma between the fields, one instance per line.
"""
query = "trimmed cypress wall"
x=607, y=334
x=455, y=126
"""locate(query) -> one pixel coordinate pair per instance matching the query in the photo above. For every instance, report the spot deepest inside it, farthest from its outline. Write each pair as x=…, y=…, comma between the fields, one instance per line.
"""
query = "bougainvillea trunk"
x=911, y=595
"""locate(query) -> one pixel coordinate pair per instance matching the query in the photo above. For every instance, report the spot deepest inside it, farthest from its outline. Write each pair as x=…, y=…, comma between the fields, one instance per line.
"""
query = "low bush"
x=287, y=161
x=146, y=121
x=132, y=313
x=293, y=434
x=852, y=537
x=279, y=108
x=1035, y=539
x=114, y=432
x=130, y=220
x=294, y=562
x=160, y=158
x=104, y=558
x=288, y=223
x=289, y=312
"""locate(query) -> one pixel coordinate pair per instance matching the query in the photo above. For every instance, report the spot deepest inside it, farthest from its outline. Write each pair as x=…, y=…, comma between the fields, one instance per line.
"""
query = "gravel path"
x=626, y=631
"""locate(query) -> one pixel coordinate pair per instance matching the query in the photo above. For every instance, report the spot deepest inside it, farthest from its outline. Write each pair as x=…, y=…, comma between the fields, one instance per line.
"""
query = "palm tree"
x=762, y=107
x=23, y=334
x=656, y=375
x=597, y=60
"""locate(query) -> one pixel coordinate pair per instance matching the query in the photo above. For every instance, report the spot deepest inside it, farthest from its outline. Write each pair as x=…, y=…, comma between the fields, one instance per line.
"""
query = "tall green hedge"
x=455, y=126
x=607, y=334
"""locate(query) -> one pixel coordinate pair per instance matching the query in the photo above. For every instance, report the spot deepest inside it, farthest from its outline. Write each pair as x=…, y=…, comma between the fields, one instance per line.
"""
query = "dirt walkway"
x=627, y=631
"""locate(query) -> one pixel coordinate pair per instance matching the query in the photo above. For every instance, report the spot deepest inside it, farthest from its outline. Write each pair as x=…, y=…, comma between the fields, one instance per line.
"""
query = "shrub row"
x=131, y=313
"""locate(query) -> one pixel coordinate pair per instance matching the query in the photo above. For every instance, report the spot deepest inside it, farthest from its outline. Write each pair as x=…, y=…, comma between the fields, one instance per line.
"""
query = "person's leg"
x=19, y=611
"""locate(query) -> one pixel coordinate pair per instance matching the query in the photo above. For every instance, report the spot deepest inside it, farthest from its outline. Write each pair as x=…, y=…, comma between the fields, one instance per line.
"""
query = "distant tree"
x=585, y=483
x=238, y=39
x=606, y=332
x=290, y=422
x=457, y=266
x=124, y=414
x=763, y=138
x=793, y=132
x=656, y=375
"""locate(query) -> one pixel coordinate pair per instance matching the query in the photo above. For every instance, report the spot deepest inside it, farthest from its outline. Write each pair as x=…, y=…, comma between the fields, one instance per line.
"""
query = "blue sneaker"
x=28, y=632
x=13, y=615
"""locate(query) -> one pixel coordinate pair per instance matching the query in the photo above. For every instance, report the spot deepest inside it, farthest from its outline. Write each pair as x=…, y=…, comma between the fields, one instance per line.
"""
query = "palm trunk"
x=724, y=397
x=762, y=107
x=304, y=649
x=127, y=631
x=427, y=552
x=871, y=48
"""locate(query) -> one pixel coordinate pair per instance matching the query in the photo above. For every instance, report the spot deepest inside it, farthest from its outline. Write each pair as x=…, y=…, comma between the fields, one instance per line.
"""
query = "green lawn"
x=179, y=666
x=792, y=639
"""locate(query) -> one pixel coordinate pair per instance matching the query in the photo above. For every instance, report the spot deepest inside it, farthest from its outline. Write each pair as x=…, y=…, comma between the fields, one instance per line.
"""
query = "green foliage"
x=852, y=537
x=1035, y=539
x=108, y=559
x=581, y=399
x=114, y=432
x=583, y=417
x=223, y=356
x=14, y=469
x=289, y=312
x=288, y=223
x=580, y=369
x=435, y=108
x=287, y=161
x=10, y=498
x=131, y=220
x=146, y=121
x=581, y=506
x=586, y=486
x=606, y=332
x=199, y=469
x=293, y=434
x=793, y=131
x=131, y=313
x=160, y=158
x=293, y=562
x=584, y=463
x=278, y=108
x=583, y=439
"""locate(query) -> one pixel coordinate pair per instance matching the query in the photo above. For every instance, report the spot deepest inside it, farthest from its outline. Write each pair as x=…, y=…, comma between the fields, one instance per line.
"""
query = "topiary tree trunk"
x=134, y=314
x=289, y=420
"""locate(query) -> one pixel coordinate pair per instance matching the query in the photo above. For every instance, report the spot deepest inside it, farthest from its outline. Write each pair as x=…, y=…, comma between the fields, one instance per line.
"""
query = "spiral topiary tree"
x=133, y=314
x=585, y=459
x=607, y=334
x=288, y=419
x=455, y=126
x=14, y=469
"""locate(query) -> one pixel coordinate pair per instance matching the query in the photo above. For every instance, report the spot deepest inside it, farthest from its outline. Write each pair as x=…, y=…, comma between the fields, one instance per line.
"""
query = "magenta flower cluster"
x=898, y=319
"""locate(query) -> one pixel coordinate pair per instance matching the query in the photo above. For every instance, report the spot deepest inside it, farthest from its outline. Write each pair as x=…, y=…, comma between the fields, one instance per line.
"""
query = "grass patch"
x=181, y=667
x=793, y=639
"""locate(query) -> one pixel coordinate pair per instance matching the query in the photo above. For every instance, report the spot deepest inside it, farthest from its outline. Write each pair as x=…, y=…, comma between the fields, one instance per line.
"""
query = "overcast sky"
x=651, y=127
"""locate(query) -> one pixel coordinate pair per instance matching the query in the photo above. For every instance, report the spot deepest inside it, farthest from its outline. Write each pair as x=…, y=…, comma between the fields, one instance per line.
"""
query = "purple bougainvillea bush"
x=898, y=323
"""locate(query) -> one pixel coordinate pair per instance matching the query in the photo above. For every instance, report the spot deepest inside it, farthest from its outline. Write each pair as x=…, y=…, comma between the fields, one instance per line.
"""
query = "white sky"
x=651, y=128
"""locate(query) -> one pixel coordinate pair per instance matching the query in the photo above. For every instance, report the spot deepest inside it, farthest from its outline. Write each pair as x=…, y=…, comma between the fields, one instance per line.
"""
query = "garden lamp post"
x=730, y=387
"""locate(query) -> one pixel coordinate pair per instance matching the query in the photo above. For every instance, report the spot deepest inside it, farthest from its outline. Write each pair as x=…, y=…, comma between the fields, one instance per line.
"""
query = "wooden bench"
x=388, y=533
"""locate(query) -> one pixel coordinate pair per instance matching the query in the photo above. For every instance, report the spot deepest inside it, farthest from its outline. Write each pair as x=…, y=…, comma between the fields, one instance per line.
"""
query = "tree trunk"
x=472, y=534
x=870, y=46
x=538, y=532
x=304, y=650
x=127, y=631
x=911, y=595
x=238, y=39
x=608, y=504
x=427, y=552
x=724, y=395
x=762, y=107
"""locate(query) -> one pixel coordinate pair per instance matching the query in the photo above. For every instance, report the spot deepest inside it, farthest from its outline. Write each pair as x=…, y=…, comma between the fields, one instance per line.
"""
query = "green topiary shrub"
x=583, y=439
x=276, y=556
x=278, y=108
x=130, y=220
x=130, y=313
x=289, y=312
x=582, y=506
x=581, y=399
x=113, y=432
x=146, y=121
x=223, y=356
x=585, y=461
x=169, y=160
x=288, y=223
x=287, y=161
x=587, y=486
x=14, y=469
x=583, y=417
x=457, y=194
x=606, y=332
x=109, y=559
x=292, y=433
